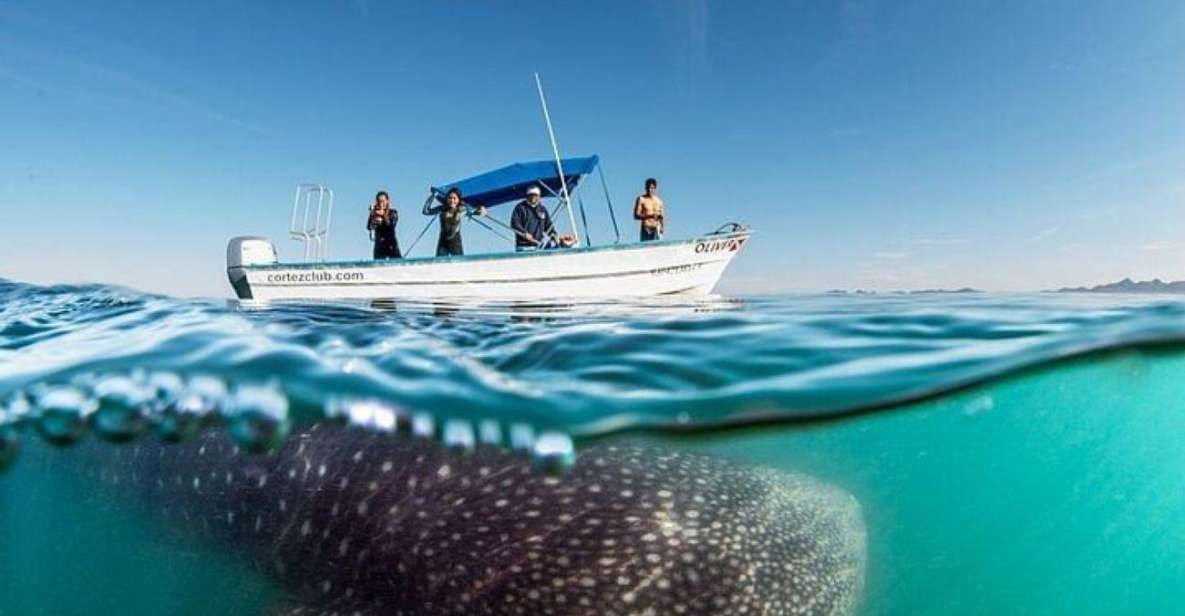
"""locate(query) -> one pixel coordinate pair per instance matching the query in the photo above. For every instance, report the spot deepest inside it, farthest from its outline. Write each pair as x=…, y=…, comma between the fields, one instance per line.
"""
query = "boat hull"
x=631, y=270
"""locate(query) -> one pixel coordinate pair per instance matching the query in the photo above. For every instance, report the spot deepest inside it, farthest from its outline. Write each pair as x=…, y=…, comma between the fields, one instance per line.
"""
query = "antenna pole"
x=558, y=164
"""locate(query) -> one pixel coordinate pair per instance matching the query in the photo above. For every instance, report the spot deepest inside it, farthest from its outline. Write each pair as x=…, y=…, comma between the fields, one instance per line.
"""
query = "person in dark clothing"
x=532, y=224
x=381, y=225
x=450, y=212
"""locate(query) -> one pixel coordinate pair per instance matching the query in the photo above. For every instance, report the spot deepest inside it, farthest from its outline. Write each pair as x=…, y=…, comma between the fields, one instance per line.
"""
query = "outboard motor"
x=245, y=251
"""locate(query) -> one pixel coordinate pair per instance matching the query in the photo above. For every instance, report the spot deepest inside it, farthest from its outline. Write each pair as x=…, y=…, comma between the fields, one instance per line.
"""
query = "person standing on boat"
x=450, y=213
x=648, y=208
x=381, y=225
x=532, y=224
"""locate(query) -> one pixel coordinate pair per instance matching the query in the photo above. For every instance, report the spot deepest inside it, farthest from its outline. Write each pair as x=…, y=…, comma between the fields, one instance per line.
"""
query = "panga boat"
x=688, y=266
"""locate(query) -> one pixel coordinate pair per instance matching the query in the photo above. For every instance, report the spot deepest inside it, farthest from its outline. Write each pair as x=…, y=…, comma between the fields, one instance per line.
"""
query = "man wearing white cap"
x=532, y=224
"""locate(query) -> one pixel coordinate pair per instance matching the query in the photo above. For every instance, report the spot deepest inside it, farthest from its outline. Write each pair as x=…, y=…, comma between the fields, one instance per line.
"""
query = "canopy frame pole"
x=584, y=219
x=431, y=220
x=491, y=229
x=558, y=164
x=609, y=202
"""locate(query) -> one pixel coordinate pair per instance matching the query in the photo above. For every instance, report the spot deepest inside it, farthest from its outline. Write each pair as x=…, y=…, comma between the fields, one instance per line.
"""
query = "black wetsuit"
x=386, y=245
x=449, y=242
x=533, y=220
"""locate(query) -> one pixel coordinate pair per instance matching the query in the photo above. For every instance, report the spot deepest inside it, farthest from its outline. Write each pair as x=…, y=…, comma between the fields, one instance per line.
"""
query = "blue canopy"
x=510, y=183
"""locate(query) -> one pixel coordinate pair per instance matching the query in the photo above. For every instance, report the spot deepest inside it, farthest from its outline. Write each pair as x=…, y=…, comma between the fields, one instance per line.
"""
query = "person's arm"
x=394, y=214
x=638, y=209
x=371, y=220
x=518, y=222
x=432, y=207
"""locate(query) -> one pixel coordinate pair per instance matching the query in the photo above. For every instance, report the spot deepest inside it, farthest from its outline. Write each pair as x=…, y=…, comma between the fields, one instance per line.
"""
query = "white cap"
x=534, y=190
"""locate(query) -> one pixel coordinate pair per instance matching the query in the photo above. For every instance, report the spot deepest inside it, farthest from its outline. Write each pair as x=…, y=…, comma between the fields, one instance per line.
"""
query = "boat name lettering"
x=314, y=276
x=676, y=269
x=731, y=245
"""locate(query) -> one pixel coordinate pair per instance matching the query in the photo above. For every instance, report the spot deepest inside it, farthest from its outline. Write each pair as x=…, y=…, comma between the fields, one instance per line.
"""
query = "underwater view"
x=671, y=307
x=862, y=454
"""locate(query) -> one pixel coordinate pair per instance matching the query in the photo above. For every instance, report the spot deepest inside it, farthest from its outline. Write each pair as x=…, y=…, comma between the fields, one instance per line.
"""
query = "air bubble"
x=554, y=452
x=522, y=437
x=259, y=422
x=423, y=425
x=18, y=411
x=367, y=413
x=458, y=435
x=165, y=386
x=202, y=395
x=184, y=408
x=489, y=432
x=62, y=414
x=122, y=404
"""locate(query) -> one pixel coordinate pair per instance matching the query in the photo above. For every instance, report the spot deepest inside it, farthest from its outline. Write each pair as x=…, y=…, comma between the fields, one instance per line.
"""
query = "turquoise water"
x=1008, y=453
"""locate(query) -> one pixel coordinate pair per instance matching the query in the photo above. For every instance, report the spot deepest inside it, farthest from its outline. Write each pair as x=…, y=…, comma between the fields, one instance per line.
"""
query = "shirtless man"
x=648, y=208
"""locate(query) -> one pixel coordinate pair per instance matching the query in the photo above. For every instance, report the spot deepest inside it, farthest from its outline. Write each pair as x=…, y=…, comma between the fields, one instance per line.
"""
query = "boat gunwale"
x=410, y=261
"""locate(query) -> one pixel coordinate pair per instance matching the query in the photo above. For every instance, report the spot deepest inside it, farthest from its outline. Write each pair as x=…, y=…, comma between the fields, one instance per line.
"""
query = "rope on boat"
x=491, y=229
x=421, y=235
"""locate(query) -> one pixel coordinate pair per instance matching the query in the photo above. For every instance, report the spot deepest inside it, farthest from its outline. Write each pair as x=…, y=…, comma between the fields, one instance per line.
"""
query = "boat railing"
x=312, y=214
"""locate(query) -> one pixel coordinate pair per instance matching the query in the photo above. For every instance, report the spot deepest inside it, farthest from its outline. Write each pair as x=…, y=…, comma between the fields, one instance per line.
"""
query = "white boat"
x=692, y=266
x=663, y=267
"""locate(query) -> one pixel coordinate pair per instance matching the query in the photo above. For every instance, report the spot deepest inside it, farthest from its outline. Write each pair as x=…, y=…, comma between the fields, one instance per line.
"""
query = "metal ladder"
x=314, y=234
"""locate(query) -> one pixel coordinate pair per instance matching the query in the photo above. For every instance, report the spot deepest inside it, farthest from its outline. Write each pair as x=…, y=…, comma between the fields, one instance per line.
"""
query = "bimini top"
x=510, y=183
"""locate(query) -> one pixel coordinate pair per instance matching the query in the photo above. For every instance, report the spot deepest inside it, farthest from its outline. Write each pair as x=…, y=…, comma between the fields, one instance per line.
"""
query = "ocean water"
x=1005, y=453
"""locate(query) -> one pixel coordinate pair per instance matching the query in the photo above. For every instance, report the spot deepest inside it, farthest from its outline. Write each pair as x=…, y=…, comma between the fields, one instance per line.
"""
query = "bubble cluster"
x=123, y=407
x=551, y=450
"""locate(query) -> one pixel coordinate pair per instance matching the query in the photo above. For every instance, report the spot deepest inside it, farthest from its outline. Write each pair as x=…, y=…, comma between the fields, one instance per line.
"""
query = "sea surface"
x=1009, y=453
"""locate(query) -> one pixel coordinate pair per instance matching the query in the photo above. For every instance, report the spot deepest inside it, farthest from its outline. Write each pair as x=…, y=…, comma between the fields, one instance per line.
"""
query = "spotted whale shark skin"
x=350, y=522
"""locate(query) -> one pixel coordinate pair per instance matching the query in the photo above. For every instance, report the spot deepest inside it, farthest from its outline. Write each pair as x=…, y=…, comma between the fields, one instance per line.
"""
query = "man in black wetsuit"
x=381, y=224
x=532, y=224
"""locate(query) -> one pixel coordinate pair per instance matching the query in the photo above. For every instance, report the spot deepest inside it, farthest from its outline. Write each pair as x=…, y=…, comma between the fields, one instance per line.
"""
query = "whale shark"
x=352, y=522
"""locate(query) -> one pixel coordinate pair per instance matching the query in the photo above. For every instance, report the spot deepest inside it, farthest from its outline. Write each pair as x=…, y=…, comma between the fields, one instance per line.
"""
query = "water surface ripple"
x=586, y=368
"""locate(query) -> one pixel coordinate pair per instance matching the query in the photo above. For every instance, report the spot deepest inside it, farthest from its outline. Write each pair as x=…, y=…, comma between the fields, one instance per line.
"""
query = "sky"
x=1007, y=146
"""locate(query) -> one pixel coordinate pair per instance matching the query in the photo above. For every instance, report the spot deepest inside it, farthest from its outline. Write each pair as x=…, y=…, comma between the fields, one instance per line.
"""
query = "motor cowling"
x=246, y=251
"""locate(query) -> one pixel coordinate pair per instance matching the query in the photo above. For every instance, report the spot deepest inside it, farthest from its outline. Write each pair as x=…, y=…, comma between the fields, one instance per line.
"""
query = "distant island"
x=1127, y=285
x=915, y=292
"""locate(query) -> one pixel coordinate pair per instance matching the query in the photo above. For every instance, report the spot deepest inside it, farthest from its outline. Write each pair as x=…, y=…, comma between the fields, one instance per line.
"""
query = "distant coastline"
x=1127, y=285
x=914, y=292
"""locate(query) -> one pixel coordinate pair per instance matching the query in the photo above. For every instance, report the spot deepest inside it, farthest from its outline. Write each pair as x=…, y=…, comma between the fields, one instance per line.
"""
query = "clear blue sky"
x=1002, y=145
